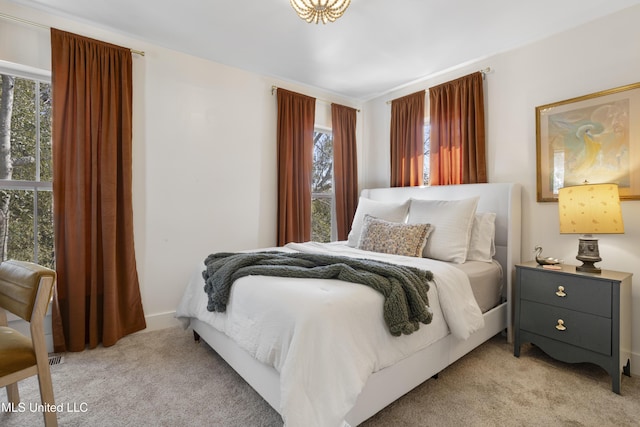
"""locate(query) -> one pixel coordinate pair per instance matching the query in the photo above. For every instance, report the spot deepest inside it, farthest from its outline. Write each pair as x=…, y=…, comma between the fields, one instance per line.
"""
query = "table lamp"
x=589, y=209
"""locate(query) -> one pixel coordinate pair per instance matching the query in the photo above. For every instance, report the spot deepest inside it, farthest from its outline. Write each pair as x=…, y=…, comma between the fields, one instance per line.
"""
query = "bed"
x=325, y=368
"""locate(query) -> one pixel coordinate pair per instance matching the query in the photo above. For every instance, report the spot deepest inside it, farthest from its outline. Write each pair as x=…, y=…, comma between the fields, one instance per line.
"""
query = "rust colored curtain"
x=407, y=140
x=457, y=132
x=98, y=295
x=345, y=166
x=296, y=116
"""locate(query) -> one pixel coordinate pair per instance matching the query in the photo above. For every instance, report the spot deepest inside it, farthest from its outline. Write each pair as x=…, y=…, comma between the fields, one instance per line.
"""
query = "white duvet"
x=325, y=337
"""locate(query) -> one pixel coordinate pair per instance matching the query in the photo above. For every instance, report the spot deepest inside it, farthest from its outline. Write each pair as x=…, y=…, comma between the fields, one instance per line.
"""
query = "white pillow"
x=482, y=246
x=389, y=211
x=451, y=221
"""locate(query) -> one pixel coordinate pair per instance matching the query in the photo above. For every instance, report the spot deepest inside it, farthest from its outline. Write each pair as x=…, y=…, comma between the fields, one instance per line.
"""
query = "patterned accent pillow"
x=397, y=238
x=389, y=211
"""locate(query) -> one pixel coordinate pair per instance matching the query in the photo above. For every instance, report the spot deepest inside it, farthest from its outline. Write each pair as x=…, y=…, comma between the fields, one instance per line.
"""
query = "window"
x=26, y=198
x=427, y=152
x=322, y=200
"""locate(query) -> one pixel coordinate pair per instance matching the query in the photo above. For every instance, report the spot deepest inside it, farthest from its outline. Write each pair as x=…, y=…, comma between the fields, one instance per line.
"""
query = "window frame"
x=332, y=195
x=38, y=76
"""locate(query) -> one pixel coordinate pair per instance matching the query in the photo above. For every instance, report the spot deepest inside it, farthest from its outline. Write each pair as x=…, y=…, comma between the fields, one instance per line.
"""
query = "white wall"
x=601, y=55
x=204, y=153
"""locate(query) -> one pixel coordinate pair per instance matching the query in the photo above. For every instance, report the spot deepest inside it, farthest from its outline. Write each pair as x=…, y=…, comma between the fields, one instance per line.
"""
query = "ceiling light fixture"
x=320, y=10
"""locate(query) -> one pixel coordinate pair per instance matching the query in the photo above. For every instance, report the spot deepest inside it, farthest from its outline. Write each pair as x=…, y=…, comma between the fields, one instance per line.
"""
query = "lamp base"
x=588, y=267
x=589, y=254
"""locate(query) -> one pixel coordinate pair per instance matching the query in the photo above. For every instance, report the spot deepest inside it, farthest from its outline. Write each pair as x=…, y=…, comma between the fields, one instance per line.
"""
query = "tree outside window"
x=26, y=201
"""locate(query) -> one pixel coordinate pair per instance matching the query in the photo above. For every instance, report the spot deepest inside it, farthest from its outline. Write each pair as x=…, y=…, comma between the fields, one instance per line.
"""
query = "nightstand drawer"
x=566, y=291
x=581, y=329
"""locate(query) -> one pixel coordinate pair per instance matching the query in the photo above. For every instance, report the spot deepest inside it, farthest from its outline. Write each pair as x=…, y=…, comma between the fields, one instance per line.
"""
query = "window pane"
x=321, y=219
x=23, y=130
x=46, y=174
x=322, y=187
x=427, y=153
x=322, y=163
x=21, y=237
x=45, y=229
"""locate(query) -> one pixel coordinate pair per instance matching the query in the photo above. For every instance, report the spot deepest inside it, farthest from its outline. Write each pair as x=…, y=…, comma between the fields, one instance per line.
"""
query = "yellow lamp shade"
x=590, y=209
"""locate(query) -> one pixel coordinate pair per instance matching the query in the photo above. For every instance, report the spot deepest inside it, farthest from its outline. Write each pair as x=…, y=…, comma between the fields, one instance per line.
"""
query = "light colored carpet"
x=163, y=378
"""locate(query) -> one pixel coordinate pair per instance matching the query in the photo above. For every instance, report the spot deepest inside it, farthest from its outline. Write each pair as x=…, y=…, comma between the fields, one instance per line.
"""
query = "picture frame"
x=593, y=138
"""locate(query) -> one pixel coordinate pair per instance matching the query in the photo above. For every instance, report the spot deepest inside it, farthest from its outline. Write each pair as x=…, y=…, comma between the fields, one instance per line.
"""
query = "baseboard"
x=161, y=321
x=635, y=364
x=24, y=328
x=154, y=323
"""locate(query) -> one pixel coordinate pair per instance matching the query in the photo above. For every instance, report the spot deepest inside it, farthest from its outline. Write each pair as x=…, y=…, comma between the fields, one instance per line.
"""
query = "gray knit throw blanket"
x=404, y=288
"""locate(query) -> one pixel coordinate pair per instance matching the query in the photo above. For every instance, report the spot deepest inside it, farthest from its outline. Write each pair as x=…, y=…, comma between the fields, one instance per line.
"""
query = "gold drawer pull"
x=560, y=292
x=560, y=326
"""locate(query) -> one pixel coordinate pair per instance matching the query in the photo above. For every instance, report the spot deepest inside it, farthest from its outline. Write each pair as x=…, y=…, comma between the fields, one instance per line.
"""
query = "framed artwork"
x=593, y=138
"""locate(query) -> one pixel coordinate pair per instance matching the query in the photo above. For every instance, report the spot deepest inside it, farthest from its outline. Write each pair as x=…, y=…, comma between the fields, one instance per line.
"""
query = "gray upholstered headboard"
x=503, y=199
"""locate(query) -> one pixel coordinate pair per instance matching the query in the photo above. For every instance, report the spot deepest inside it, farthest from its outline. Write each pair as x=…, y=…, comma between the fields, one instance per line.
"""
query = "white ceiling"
x=378, y=45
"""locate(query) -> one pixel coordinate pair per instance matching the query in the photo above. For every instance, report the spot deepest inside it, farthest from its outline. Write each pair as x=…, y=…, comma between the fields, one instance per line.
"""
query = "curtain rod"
x=35, y=24
x=274, y=88
x=484, y=72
